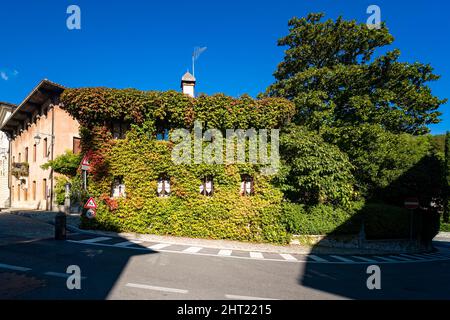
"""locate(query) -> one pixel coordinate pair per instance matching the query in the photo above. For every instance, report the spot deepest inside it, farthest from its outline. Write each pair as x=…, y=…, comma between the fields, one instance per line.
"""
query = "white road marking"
x=364, y=259
x=60, y=275
x=413, y=256
x=16, y=268
x=93, y=240
x=342, y=259
x=256, y=255
x=386, y=259
x=159, y=246
x=288, y=257
x=127, y=243
x=155, y=288
x=400, y=258
x=316, y=258
x=192, y=249
x=236, y=297
x=225, y=253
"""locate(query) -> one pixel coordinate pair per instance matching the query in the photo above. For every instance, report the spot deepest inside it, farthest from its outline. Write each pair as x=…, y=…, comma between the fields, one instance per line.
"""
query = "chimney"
x=188, y=84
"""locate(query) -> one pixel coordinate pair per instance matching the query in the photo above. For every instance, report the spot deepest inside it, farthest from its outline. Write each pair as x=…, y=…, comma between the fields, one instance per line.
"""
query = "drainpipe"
x=51, y=156
x=9, y=170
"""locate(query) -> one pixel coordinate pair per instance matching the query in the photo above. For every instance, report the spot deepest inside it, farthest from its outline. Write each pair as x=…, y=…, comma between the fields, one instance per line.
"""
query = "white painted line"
x=342, y=259
x=60, y=275
x=127, y=243
x=225, y=253
x=420, y=255
x=256, y=255
x=316, y=258
x=155, y=288
x=10, y=267
x=159, y=246
x=93, y=240
x=386, y=259
x=413, y=256
x=364, y=259
x=236, y=297
x=400, y=258
x=288, y=257
x=192, y=249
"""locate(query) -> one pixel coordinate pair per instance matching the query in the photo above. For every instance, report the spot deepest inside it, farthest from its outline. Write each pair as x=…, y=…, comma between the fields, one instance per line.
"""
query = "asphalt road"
x=37, y=270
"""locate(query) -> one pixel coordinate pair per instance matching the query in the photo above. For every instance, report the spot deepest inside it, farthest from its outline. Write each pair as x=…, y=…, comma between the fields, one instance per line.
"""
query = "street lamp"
x=38, y=138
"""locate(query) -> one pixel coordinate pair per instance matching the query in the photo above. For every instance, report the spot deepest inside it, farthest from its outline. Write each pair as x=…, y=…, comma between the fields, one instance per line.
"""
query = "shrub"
x=383, y=221
x=66, y=164
x=319, y=220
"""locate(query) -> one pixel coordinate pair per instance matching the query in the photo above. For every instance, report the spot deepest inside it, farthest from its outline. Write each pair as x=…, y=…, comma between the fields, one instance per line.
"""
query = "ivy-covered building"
x=138, y=186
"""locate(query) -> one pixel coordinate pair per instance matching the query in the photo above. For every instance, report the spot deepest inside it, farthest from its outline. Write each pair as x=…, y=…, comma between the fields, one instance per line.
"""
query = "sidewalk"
x=15, y=228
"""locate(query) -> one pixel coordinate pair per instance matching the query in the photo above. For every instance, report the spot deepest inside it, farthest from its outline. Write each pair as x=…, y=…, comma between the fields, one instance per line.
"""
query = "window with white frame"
x=118, y=188
x=163, y=188
x=247, y=185
x=207, y=186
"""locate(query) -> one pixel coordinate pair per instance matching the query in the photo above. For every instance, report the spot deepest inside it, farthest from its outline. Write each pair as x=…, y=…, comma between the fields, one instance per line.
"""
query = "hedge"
x=381, y=221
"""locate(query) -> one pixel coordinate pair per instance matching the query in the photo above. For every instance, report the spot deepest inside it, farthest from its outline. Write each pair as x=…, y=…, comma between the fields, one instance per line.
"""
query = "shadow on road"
x=382, y=224
x=36, y=269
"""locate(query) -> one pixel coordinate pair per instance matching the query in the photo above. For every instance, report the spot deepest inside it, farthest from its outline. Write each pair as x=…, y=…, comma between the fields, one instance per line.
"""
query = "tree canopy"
x=331, y=73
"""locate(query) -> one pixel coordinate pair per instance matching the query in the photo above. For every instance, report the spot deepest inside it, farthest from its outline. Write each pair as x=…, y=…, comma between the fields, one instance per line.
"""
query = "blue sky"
x=148, y=44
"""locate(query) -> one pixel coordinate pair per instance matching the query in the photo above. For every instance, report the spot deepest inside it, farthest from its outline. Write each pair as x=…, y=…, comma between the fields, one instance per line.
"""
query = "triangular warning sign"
x=90, y=204
x=85, y=161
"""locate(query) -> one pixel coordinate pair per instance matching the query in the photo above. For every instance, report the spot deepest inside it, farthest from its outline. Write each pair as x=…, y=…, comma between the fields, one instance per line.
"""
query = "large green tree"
x=332, y=74
x=314, y=171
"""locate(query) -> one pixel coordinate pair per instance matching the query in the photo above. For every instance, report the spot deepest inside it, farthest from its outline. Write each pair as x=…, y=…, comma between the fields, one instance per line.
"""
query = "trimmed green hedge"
x=381, y=221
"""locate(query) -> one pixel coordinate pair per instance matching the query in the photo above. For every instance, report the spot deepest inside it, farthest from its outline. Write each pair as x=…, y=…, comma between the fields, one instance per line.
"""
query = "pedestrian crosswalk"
x=256, y=255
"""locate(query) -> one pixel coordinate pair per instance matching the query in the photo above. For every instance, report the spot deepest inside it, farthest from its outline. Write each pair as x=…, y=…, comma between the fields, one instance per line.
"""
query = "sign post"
x=411, y=204
x=85, y=168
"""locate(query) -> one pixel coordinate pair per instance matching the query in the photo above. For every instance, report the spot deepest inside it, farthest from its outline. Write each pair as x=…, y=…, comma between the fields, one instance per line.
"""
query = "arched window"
x=163, y=188
x=207, y=186
x=247, y=185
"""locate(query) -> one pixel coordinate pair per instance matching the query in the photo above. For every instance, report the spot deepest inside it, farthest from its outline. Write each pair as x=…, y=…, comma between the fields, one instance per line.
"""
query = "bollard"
x=60, y=226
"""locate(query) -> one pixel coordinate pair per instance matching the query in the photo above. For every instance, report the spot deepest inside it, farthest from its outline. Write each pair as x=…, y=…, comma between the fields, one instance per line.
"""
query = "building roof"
x=7, y=104
x=5, y=110
x=37, y=97
x=188, y=77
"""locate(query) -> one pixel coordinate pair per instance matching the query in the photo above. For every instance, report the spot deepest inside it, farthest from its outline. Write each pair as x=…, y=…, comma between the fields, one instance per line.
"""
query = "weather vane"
x=195, y=55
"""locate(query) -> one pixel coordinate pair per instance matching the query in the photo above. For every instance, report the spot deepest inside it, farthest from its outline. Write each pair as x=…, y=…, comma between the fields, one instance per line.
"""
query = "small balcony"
x=20, y=169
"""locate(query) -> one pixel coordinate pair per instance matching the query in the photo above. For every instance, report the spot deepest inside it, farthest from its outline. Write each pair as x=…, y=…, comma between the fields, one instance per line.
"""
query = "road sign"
x=90, y=204
x=91, y=214
x=85, y=163
x=412, y=203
